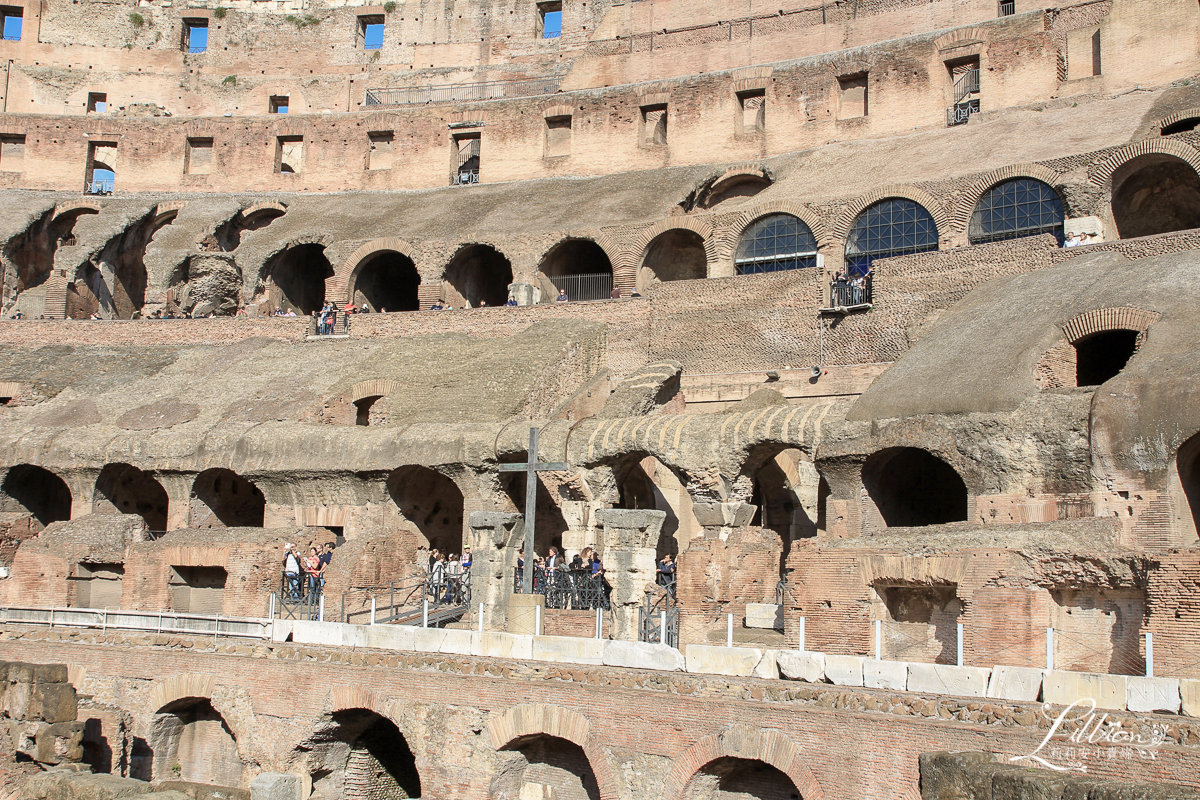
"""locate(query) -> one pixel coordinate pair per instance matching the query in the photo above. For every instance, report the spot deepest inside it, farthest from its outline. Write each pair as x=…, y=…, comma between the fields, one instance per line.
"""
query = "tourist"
x=1072, y=240
x=382, y=310
x=433, y=557
x=467, y=559
x=635, y=293
x=312, y=568
x=326, y=560
x=615, y=294
x=453, y=580
x=552, y=559
x=291, y=312
x=512, y=303
x=278, y=311
x=437, y=576
x=562, y=297
x=666, y=571
x=1085, y=239
x=437, y=306
x=291, y=573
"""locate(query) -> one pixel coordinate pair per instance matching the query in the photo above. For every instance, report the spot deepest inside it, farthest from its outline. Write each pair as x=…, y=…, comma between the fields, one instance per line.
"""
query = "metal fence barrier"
x=567, y=588
x=147, y=621
x=596, y=286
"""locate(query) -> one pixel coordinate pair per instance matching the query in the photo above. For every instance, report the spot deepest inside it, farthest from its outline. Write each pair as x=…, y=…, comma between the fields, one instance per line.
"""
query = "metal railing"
x=461, y=92
x=148, y=621
x=658, y=617
x=964, y=105
x=99, y=187
x=430, y=600
x=596, y=286
x=464, y=177
x=850, y=293
x=297, y=600
x=574, y=589
x=195, y=50
x=16, y=38
x=551, y=34
x=332, y=323
x=1006, y=8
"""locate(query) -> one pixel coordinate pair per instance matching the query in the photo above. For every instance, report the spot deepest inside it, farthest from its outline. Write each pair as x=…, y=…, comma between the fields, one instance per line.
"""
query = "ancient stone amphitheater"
x=879, y=318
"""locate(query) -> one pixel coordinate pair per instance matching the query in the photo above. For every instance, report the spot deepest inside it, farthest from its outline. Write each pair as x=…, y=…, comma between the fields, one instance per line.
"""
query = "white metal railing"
x=148, y=621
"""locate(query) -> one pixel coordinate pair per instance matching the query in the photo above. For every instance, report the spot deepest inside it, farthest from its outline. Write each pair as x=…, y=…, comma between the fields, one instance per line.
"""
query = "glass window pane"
x=775, y=243
x=1016, y=208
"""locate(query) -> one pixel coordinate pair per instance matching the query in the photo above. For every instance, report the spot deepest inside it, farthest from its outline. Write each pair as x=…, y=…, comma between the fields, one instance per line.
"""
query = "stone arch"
x=260, y=208
x=523, y=722
x=37, y=490
x=1190, y=117
x=747, y=180
x=968, y=198
x=556, y=263
x=841, y=228
x=1187, y=463
x=744, y=742
x=77, y=206
x=478, y=274
x=431, y=501
x=1105, y=335
x=192, y=734
x=737, y=227
x=223, y=499
x=961, y=36
x=358, y=743
x=674, y=255
x=296, y=277
x=164, y=691
x=912, y=487
x=1109, y=319
x=788, y=490
x=642, y=480
x=125, y=489
x=1101, y=172
x=626, y=267
x=386, y=280
x=346, y=272
x=1155, y=193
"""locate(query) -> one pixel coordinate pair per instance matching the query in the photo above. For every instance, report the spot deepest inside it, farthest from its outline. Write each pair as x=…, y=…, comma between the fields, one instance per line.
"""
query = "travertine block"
x=275, y=786
x=764, y=615
x=885, y=674
x=947, y=679
x=802, y=666
x=1015, y=683
x=642, y=655
x=1153, y=694
x=568, y=649
x=1064, y=688
x=739, y=661
x=844, y=670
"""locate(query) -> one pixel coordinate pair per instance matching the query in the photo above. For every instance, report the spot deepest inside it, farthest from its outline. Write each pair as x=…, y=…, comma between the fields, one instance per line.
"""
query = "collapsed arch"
x=295, y=278
x=912, y=487
x=478, y=275
x=223, y=499
x=357, y=752
x=430, y=501
x=191, y=735
x=677, y=254
x=125, y=489
x=1155, y=193
x=578, y=266
x=644, y=482
x=386, y=280
x=38, y=491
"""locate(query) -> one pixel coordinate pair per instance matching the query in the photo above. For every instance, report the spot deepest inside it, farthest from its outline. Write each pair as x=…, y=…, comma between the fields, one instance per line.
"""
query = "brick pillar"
x=495, y=539
x=628, y=543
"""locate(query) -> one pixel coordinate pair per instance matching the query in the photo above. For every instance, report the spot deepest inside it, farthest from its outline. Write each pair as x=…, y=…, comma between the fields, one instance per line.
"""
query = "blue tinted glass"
x=1016, y=208
x=775, y=243
x=553, y=25
x=12, y=28
x=373, y=36
x=891, y=227
x=197, y=39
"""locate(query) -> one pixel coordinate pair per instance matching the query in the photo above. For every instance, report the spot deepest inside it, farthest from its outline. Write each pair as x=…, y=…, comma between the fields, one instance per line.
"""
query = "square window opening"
x=289, y=154
x=752, y=106
x=13, y=22
x=558, y=135
x=97, y=102
x=654, y=125
x=195, y=35
x=12, y=152
x=1006, y=8
x=549, y=23
x=465, y=152
x=199, y=159
x=852, y=99
x=279, y=104
x=379, y=154
x=370, y=31
x=101, y=172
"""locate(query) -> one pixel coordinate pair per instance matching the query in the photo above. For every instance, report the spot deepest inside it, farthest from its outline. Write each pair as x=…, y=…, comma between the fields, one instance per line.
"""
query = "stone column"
x=720, y=519
x=628, y=545
x=495, y=539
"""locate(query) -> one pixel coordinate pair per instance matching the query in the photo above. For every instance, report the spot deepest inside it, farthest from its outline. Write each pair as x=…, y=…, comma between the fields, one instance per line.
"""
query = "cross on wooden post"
x=531, y=468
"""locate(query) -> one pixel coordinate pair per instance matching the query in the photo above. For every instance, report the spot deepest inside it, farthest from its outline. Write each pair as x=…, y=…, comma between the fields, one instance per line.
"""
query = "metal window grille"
x=596, y=286
x=100, y=187
x=1007, y=8
x=776, y=243
x=892, y=227
x=197, y=49
x=1017, y=208
x=567, y=588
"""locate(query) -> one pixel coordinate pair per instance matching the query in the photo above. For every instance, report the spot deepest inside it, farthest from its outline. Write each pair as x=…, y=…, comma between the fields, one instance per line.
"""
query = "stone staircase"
x=56, y=295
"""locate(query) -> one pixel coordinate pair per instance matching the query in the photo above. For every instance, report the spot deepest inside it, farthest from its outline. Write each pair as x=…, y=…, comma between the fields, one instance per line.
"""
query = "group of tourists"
x=447, y=578
x=1076, y=239
x=304, y=573
x=851, y=290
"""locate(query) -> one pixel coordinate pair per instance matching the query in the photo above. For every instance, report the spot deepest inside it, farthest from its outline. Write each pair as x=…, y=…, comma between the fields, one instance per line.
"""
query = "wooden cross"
x=531, y=468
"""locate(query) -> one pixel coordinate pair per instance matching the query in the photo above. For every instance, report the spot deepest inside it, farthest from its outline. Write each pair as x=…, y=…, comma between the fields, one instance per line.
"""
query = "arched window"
x=1016, y=208
x=776, y=243
x=893, y=227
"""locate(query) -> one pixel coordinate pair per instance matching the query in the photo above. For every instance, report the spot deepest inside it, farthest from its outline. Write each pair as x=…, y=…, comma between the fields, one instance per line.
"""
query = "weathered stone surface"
x=313, y=632
x=391, y=637
x=768, y=665
x=885, y=674
x=276, y=786
x=203, y=791
x=74, y=786
x=947, y=679
x=1153, y=694
x=1189, y=690
x=1064, y=688
x=642, y=655
x=60, y=743
x=722, y=660
x=494, y=644
x=802, y=666
x=958, y=776
x=844, y=670
x=764, y=615
x=568, y=649
x=1015, y=683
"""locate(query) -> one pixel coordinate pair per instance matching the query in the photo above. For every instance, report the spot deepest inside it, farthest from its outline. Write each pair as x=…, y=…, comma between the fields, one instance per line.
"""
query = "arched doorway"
x=360, y=755
x=1187, y=460
x=731, y=778
x=191, y=741
x=296, y=278
x=125, y=489
x=38, y=491
x=545, y=766
x=551, y=524
x=645, y=482
x=675, y=255
x=386, y=281
x=223, y=499
x=478, y=275
x=1101, y=356
x=912, y=487
x=432, y=502
x=1155, y=193
x=580, y=267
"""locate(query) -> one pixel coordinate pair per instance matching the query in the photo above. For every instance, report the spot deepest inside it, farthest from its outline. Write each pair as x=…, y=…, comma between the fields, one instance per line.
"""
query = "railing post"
x=802, y=635
x=729, y=631
x=1049, y=648
x=372, y=610
x=1149, y=654
x=960, y=644
x=321, y=609
x=598, y=618
x=537, y=620
x=271, y=607
x=879, y=640
x=662, y=626
x=425, y=612
x=481, y=617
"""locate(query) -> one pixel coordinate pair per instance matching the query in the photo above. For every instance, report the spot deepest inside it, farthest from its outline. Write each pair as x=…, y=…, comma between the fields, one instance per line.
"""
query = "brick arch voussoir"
x=164, y=691
x=77, y=205
x=1171, y=119
x=923, y=198
x=1098, y=320
x=961, y=35
x=533, y=719
x=349, y=697
x=250, y=211
x=342, y=281
x=968, y=199
x=616, y=257
x=741, y=741
x=737, y=228
x=1102, y=171
x=702, y=227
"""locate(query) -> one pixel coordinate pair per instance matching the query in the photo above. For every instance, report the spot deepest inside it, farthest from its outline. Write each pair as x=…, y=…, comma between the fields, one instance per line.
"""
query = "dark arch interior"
x=127, y=490
x=637, y=490
x=1103, y=355
x=741, y=779
x=912, y=487
x=477, y=275
x=546, y=761
x=571, y=258
x=223, y=499
x=39, y=491
x=1188, y=462
x=551, y=524
x=387, y=281
x=677, y=255
x=1182, y=126
x=372, y=755
x=432, y=502
x=298, y=278
x=191, y=741
x=1153, y=194
x=229, y=234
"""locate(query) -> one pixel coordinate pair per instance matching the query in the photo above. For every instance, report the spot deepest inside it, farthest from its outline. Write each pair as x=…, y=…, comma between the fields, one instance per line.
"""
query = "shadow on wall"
x=545, y=766
x=223, y=499
x=37, y=491
x=913, y=488
x=1155, y=193
x=432, y=502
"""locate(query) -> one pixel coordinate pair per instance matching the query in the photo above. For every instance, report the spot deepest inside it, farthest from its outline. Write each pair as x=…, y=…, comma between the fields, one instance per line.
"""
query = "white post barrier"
x=1050, y=648
x=321, y=610
x=879, y=640
x=729, y=632
x=960, y=644
x=599, y=623
x=537, y=620
x=662, y=626
x=425, y=613
x=1149, y=654
x=271, y=607
x=481, y=617
x=372, y=610
x=802, y=635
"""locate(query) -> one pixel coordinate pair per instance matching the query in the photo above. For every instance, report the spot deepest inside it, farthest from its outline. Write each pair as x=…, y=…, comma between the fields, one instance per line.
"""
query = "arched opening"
x=297, y=278
x=893, y=227
x=432, y=502
x=676, y=255
x=551, y=524
x=645, y=482
x=363, y=408
x=731, y=778
x=579, y=267
x=125, y=489
x=229, y=235
x=84, y=292
x=32, y=255
x=776, y=243
x=360, y=755
x=37, y=491
x=191, y=741
x=478, y=275
x=1101, y=356
x=1017, y=208
x=1187, y=460
x=545, y=766
x=787, y=494
x=912, y=487
x=1155, y=193
x=223, y=499
x=387, y=281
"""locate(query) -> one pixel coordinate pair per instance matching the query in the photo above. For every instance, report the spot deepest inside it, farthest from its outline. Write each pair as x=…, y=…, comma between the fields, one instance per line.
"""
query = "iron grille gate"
x=597, y=286
x=660, y=607
x=296, y=601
